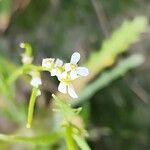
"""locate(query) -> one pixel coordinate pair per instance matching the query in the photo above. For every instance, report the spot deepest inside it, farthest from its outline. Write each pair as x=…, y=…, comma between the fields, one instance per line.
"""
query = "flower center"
x=67, y=80
x=73, y=66
x=61, y=69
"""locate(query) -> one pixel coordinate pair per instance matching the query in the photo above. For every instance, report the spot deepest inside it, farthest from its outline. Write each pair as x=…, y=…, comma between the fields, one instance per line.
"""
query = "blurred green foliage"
x=107, y=77
x=5, y=7
x=30, y=17
x=53, y=27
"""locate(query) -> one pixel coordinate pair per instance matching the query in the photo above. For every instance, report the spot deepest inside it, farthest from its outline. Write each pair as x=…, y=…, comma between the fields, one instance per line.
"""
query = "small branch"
x=101, y=16
x=139, y=92
x=15, y=75
x=41, y=139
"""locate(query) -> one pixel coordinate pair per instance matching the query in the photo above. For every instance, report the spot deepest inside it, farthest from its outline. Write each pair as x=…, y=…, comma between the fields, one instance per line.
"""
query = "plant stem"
x=51, y=138
x=23, y=70
x=31, y=107
x=69, y=139
x=64, y=110
x=15, y=75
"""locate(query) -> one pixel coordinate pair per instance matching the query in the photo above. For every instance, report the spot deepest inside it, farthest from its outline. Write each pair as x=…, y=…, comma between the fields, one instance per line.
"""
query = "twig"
x=139, y=92
x=101, y=17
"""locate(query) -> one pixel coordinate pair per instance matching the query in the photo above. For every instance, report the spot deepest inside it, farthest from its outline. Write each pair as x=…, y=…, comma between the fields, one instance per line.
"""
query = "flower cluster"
x=27, y=59
x=66, y=73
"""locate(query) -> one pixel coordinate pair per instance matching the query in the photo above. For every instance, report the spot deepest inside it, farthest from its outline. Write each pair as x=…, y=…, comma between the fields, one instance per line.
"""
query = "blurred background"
x=116, y=110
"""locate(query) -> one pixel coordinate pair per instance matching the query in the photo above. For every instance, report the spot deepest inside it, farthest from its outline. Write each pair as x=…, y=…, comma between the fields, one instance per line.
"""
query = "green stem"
x=51, y=138
x=31, y=107
x=15, y=75
x=64, y=110
x=69, y=139
x=22, y=70
x=37, y=68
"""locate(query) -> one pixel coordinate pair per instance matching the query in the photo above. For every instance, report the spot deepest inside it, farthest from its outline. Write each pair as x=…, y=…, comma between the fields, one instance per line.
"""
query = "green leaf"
x=118, y=43
x=107, y=77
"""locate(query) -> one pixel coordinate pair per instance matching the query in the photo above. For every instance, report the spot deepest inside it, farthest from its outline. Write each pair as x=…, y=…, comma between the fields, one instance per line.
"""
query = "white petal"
x=58, y=62
x=58, y=74
x=47, y=63
x=75, y=58
x=71, y=91
x=53, y=72
x=67, y=67
x=26, y=59
x=82, y=71
x=73, y=75
x=62, y=88
x=36, y=81
x=64, y=74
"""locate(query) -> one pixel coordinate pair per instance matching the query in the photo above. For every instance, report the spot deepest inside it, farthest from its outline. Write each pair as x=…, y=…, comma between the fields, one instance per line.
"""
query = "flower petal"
x=26, y=59
x=58, y=74
x=35, y=81
x=75, y=58
x=71, y=91
x=58, y=63
x=73, y=75
x=64, y=75
x=47, y=63
x=67, y=67
x=62, y=88
x=82, y=71
x=53, y=72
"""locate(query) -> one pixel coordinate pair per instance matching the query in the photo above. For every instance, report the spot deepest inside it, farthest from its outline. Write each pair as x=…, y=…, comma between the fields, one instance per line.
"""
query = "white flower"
x=36, y=80
x=73, y=68
x=26, y=59
x=58, y=68
x=65, y=85
x=48, y=63
x=65, y=73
